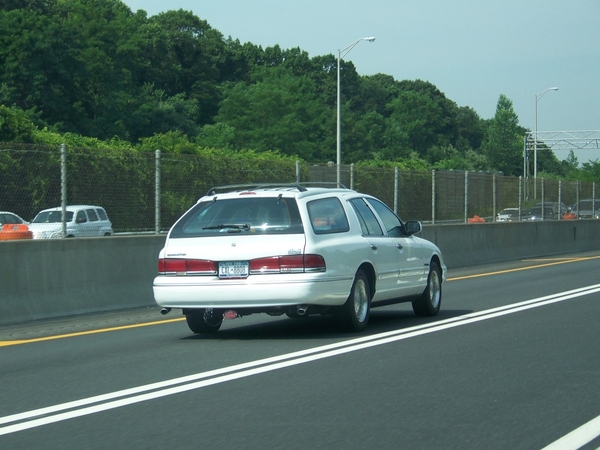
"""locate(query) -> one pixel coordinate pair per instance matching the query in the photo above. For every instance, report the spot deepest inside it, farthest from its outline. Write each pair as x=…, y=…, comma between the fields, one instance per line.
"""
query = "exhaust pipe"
x=301, y=309
x=165, y=311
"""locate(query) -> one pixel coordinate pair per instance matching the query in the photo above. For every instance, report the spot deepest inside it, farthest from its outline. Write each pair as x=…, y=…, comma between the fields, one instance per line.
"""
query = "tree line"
x=94, y=71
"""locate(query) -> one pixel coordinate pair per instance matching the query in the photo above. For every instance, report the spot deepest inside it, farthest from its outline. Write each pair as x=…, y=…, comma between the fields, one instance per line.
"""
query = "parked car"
x=81, y=221
x=295, y=250
x=508, y=215
x=587, y=209
x=10, y=218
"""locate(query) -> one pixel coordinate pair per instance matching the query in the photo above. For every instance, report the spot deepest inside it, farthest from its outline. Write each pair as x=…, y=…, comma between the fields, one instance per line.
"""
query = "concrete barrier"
x=42, y=279
x=57, y=278
x=473, y=244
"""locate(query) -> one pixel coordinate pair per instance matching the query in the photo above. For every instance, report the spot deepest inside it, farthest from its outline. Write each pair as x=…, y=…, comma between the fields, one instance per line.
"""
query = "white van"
x=81, y=221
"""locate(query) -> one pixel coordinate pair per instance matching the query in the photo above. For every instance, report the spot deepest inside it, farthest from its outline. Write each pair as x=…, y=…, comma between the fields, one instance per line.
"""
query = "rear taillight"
x=314, y=263
x=167, y=266
x=288, y=264
x=271, y=264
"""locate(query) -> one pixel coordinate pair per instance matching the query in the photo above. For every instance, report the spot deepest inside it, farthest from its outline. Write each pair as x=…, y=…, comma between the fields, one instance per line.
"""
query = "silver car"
x=295, y=250
x=508, y=215
x=80, y=221
x=587, y=209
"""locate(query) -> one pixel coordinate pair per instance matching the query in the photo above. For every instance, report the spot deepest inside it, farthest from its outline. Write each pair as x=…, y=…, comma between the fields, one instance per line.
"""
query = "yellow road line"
x=553, y=262
x=83, y=333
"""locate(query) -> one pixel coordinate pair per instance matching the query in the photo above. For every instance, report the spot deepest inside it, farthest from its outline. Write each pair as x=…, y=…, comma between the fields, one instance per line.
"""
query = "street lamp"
x=537, y=98
x=341, y=54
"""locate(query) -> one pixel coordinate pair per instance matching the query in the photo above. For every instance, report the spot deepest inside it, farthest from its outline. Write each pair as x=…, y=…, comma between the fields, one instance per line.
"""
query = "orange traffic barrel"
x=475, y=219
x=12, y=231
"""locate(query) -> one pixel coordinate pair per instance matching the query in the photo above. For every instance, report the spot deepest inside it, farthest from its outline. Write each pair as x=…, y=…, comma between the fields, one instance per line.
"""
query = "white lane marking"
x=152, y=391
x=577, y=438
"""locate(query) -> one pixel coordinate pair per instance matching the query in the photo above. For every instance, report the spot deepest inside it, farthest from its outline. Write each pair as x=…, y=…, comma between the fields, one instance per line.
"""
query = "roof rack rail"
x=301, y=187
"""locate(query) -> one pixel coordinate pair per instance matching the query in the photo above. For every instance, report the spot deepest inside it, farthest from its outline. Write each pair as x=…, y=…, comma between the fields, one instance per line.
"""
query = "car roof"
x=297, y=190
x=71, y=208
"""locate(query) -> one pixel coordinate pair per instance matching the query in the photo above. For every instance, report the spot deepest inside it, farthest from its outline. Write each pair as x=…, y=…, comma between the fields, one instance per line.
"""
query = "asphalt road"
x=511, y=362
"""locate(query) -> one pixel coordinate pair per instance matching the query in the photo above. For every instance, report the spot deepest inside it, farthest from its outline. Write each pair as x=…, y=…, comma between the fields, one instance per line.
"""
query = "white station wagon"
x=295, y=250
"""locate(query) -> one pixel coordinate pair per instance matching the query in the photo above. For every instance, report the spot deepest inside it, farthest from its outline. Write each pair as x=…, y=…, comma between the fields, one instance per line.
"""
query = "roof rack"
x=301, y=187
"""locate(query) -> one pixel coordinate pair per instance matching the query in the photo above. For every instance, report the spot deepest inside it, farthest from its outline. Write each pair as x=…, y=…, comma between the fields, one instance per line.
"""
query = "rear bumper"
x=259, y=291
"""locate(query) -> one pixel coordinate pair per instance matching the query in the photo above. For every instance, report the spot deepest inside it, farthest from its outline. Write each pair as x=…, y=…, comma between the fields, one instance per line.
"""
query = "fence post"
x=560, y=213
x=543, y=199
x=494, y=195
x=352, y=176
x=520, y=198
x=466, y=196
x=433, y=197
x=157, y=192
x=396, y=190
x=593, y=199
x=298, y=171
x=63, y=189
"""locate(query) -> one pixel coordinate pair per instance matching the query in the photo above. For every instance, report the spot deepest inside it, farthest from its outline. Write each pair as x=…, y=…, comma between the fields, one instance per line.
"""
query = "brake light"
x=271, y=264
x=288, y=264
x=314, y=263
x=170, y=266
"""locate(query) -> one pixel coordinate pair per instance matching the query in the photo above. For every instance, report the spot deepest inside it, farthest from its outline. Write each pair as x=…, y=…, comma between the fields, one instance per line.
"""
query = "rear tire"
x=204, y=320
x=354, y=314
x=428, y=304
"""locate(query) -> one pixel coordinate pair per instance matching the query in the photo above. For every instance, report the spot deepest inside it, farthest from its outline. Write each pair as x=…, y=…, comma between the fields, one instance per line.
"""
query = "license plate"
x=233, y=269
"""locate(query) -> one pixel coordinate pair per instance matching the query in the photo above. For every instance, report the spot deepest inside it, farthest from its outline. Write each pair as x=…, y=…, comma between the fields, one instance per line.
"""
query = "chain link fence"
x=147, y=192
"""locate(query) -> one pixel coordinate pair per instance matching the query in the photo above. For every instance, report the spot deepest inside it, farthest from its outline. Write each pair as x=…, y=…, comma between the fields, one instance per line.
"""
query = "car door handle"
x=399, y=246
x=373, y=247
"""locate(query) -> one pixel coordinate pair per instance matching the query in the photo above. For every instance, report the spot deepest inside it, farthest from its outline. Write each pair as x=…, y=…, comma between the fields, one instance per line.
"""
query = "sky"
x=471, y=50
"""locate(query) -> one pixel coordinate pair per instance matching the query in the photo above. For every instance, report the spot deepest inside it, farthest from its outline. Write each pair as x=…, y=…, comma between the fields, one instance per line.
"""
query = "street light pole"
x=341, y=54
x=537, y=98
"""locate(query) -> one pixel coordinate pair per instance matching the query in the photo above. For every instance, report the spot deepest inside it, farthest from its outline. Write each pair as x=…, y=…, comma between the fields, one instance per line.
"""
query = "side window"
x=92, y=215
x=102, y=214
x=327, y=216
x=80, y=218
x=368, y=222
x=392, y=224
x=7, y=218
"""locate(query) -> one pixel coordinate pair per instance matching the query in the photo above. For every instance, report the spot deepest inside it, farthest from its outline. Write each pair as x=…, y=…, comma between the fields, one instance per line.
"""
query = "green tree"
x=503, y=146
x=15, y=126
x=184, y=55
x=280, y=112
x=39, y=64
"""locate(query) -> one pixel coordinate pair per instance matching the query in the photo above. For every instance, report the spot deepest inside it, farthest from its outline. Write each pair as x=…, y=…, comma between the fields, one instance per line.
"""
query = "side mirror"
x=413, y=227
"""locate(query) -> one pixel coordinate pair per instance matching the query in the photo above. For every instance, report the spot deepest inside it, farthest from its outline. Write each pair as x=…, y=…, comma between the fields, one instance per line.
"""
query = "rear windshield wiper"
x=234, y=226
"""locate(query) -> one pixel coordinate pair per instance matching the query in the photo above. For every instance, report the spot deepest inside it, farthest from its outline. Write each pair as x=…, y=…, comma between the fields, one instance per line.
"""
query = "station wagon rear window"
x=246, y=216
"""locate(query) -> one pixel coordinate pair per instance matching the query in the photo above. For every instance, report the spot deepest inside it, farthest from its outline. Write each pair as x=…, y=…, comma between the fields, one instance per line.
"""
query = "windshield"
x=247, y=216
x=52, y=217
